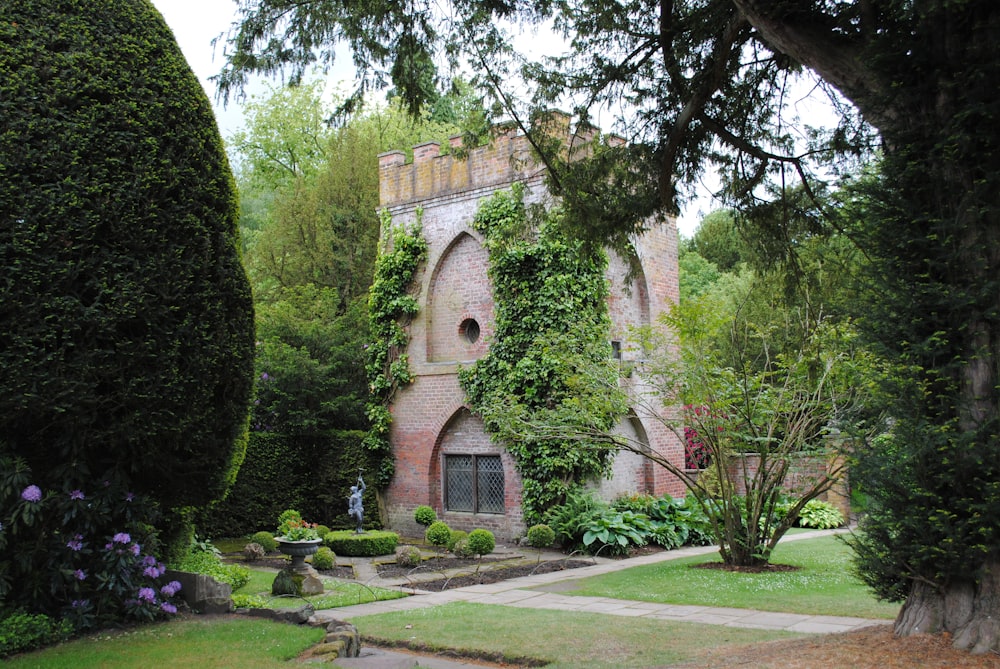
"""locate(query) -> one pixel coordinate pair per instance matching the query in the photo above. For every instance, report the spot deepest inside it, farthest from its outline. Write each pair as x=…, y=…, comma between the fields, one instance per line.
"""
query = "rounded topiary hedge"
x=438, y=534
x=370, y=544
x=127, y=316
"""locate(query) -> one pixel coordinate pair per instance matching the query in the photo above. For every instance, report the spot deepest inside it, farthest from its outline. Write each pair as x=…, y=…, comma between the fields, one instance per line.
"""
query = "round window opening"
x=469, y=330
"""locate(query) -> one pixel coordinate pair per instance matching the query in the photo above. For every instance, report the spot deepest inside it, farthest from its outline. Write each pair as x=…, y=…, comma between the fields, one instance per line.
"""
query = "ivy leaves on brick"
x=550, y=301
x=390, y=309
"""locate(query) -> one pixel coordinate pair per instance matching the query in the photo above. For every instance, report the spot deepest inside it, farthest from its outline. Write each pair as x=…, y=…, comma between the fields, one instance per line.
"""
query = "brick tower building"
x=444, y=458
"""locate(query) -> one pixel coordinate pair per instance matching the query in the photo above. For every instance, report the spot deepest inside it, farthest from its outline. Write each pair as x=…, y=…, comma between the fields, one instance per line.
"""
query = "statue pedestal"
x=299, y=578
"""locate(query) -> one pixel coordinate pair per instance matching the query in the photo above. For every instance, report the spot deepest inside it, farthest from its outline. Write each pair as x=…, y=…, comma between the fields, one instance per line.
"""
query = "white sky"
x=197, y=22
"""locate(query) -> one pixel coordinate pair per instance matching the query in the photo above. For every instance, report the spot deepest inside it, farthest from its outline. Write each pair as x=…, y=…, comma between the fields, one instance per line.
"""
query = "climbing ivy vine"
x=550, y=302
x=390, y=308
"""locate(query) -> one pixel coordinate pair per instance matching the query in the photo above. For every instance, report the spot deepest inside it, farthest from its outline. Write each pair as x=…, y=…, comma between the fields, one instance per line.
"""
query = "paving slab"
x=544, y=591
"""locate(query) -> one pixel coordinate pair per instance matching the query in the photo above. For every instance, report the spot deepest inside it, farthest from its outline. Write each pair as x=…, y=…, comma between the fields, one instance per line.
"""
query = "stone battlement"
x=508, y=158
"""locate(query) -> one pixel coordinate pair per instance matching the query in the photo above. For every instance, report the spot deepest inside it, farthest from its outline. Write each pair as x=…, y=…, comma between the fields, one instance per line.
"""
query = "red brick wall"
x=429, y=417
x=459, y=291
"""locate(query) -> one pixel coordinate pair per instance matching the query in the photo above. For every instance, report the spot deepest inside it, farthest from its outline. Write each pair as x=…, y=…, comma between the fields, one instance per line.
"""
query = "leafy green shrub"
x=322, y=531
x=243, y=601
x=208, y=563
x=424, y=515
x=21, y=631
x=324, y=558
x=456, y=536
x=541, y=536
x=689, y=515
x=636, y=503
x=820, y=515
x=613, y=532
x=461, y=549
x=127, y=315
x=370, y=544
x=567, y=518
x=438, y=534
x=266, y=541
x=482, y=542
x=253, y=552
x=408, y=557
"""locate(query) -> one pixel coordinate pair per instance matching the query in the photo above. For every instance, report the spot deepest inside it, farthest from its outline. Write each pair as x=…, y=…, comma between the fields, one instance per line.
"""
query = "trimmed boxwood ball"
x=324, y=558
x=128, y=326
x=266, y=541
x=541, y=536
x=370, y=544
x=424, y=515
x=438, y=534
x=481, y=542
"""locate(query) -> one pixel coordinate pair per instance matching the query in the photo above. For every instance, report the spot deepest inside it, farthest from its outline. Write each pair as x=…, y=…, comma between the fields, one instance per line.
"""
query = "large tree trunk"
x=967, y=610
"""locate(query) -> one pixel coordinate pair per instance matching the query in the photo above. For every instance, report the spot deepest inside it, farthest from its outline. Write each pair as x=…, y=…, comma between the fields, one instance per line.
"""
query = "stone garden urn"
x=298, y=550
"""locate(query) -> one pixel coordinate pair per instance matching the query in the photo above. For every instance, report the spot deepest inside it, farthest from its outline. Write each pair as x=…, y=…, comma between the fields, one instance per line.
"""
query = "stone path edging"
x=537, y=591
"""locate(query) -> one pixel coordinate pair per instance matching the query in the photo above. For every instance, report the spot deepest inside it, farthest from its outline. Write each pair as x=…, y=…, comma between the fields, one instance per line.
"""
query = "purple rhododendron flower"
x=171, y=589
x=80, y=574
x=121, y=538
x=129, y=496
x=136, y=549
x=80, y=603
x=149, y=561
x=32, y=494
x=147, y=595
x=151, y=572
x=168, y=607
x=77, y=494
x=76, y=543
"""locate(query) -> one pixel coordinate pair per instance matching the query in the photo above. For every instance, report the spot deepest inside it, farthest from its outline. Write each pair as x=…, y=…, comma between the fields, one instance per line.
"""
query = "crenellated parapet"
x=507, y=158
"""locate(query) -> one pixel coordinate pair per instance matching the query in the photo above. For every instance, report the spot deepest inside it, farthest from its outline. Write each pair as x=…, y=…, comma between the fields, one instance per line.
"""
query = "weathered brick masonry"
x=455, y=325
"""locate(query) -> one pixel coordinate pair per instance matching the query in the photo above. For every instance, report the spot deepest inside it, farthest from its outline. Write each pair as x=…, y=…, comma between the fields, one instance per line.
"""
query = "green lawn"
x=206, y=643
x=337, y=593
x=825, y=583
x=567, y=640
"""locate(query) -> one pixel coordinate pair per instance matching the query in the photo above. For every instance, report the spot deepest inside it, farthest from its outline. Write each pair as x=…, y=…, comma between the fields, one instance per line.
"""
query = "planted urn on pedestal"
x=298, y=539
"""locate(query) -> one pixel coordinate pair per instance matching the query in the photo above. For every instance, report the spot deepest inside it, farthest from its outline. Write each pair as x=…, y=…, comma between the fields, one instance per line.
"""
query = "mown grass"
x=337, y=593
x=566, y=640
x=207, y=643
x=824, y=584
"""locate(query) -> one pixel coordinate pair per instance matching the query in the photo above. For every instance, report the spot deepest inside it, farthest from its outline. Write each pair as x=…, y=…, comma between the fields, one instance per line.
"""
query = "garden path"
x=544, y=591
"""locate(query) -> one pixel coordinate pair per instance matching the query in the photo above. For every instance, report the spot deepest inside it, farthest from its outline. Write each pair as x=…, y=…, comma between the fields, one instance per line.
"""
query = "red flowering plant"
x=291, y=527
x=697, y=454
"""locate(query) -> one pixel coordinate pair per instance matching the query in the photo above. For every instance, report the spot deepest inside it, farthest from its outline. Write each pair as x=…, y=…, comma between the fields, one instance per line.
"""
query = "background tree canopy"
x=308, y=183
x=710, y=82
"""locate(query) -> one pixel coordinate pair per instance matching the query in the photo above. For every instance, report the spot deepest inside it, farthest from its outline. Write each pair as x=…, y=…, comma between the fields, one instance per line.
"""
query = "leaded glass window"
x=474, y=483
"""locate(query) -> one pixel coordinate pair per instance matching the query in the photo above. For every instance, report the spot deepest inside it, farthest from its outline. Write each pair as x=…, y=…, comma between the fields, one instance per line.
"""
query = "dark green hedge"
x=370, y=544
x=125, y=314
x=312, y=474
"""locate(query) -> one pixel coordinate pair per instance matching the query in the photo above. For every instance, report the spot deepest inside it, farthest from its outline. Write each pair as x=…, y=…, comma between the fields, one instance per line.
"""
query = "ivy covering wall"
x=390, y=309
x=550, y=301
